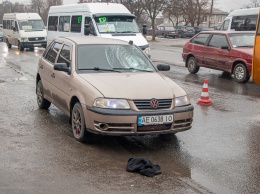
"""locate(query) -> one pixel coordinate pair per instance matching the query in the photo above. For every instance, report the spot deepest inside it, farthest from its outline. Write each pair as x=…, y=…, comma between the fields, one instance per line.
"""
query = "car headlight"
x=111, y=103
x=147, y=51
x=182, y=101
x=24, y=39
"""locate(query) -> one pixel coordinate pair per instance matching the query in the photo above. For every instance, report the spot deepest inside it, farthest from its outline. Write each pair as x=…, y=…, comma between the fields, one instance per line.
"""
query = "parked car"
x=201, y=28
x=166, y=31
x=108, y=86
x=228, y=51
x=1, y=34
x=185, y=31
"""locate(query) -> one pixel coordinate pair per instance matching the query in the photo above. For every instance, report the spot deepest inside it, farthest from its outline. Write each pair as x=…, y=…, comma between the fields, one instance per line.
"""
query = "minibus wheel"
x=21, y=48
x=8, y=44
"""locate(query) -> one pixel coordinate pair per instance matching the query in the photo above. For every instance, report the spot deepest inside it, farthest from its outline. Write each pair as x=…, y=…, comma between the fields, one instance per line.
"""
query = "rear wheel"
x=41, y=101
x=241, y=73
x=192, y=65
x=78, y=124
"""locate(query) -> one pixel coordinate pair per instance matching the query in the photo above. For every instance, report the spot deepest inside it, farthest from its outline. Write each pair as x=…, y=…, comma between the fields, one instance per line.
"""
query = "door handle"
x=205, y=49
x=53, y=75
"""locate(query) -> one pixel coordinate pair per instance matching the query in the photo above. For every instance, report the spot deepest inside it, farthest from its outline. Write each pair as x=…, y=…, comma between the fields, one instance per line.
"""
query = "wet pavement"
x=220, y=154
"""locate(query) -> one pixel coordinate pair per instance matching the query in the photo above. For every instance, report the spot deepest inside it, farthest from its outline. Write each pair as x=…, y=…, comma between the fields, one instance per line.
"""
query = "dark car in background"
x=166, y=31
x=185, y=31
x=201, y=28
x=228, y=51
x=1, y=34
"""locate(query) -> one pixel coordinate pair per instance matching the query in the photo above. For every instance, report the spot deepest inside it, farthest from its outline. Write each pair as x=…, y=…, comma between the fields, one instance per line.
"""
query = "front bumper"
x=34, y=44
x=124, y=122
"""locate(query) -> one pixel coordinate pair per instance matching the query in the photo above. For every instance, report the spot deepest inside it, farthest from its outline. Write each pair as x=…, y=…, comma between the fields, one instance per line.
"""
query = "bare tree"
x=173, y=10
x=152, y=9
x=136, y=8
x=253, y=3
x=38, y=6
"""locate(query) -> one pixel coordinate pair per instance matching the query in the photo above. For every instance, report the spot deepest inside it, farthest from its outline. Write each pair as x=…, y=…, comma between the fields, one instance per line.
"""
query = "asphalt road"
x=38, y=154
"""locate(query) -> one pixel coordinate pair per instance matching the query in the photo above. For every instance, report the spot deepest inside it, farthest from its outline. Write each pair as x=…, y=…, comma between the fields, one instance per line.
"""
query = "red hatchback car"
x=229, y=51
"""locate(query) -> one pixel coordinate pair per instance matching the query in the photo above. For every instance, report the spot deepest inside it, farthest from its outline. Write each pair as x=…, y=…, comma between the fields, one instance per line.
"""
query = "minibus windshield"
x=31, y=25
x=116, y=24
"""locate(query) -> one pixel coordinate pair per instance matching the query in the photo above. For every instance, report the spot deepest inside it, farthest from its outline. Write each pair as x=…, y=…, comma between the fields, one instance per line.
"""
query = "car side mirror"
x=62, y=67
x=144, y=29
x=225, y=47
x=163, y=67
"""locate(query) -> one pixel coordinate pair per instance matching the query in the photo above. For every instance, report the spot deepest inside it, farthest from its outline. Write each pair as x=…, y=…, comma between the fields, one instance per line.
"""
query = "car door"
x=61, y=80
x=215, y=56
x=46, y=69
x=198, y=47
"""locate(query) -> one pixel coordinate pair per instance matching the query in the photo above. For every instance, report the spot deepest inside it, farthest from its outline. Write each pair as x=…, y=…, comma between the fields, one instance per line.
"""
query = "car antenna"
x=131, y=42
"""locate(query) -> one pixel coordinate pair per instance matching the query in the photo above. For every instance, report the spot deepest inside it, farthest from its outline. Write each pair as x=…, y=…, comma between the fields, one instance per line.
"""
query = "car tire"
x=164, y=36
x=78, y=124
x=241, y=74
x=41, y=101
x=180, y=35
x=192, y=65
x=21, y=48
x=8, y=44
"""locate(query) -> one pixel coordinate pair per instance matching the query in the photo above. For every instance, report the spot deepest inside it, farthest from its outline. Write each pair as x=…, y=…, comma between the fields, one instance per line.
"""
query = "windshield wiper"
x=132, y=69
x=101, y=69
x=245, y=46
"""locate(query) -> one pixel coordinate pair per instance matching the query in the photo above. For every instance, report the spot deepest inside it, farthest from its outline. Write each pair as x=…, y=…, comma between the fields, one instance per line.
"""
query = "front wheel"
x=41, y=101
x=192, y=65
x=21, y=48
x=78, y=124
x=241, y=74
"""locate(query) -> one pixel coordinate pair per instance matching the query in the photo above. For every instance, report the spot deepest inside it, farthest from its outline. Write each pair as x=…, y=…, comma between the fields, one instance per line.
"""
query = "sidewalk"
x=170, y=42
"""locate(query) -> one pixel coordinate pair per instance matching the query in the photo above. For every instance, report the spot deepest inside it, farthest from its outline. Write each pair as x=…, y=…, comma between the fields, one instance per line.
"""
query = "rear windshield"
x=189, y=28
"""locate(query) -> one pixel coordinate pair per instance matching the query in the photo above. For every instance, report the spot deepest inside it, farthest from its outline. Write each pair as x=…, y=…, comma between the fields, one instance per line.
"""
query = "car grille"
x=179, y=124
x=36, y=39
x=147, y=128
x=145, y=104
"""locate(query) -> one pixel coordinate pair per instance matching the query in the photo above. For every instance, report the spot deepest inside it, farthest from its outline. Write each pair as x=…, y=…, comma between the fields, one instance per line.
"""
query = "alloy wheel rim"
x=239, y=73
x=39, y=95
x=76, y=120
x=191, y=64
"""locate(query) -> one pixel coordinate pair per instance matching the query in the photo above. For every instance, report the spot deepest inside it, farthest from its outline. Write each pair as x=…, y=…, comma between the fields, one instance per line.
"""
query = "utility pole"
x=210, y=13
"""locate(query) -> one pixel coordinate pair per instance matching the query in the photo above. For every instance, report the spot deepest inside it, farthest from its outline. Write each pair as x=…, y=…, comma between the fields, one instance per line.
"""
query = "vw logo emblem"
x=154, y=103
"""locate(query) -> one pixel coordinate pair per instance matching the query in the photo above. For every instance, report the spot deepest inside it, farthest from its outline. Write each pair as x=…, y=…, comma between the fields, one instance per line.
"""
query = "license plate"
x=154, y=120
x=37, y=45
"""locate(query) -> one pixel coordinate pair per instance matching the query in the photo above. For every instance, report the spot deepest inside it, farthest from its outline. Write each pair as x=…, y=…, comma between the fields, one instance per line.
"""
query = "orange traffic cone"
x=204, y=99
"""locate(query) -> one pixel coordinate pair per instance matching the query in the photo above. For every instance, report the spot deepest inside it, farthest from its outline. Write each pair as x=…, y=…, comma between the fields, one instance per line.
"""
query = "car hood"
x=138, y=85
x=137, y=38
x=244, y=50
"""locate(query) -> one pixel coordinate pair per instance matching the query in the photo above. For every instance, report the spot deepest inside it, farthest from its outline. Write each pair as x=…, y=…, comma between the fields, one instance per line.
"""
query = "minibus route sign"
x=102, y=19
x=79, y=19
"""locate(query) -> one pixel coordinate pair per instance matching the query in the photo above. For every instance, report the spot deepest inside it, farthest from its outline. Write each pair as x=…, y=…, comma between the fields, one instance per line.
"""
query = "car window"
x=76, y=23
x=46, y=50
x=189, y=28
x=218, y=40
x=52, y=53
x=244, y=23
x=111, y=57
x=225, y=25
x=200, y=39
x=64, y=23
x=64, y=56
x=52, y=23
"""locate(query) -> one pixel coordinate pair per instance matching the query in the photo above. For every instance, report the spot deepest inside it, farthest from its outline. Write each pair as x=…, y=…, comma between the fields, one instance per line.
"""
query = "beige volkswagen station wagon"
x=110, y=87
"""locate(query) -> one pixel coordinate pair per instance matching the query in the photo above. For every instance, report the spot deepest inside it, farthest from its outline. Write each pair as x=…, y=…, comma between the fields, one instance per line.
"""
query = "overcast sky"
x=224, y=5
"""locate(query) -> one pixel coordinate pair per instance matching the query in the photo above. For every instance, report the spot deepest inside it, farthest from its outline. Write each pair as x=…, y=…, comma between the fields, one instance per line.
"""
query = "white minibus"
x=109, y=20
x=25, y=30
x=241, y=20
